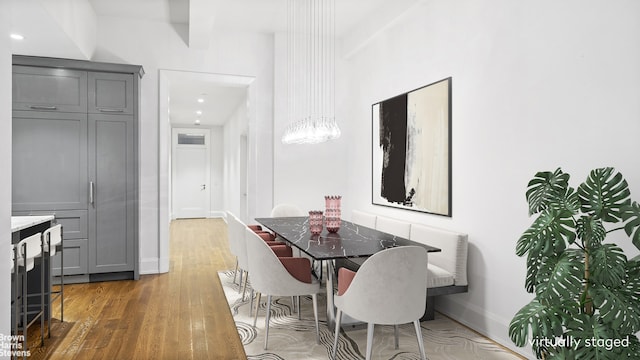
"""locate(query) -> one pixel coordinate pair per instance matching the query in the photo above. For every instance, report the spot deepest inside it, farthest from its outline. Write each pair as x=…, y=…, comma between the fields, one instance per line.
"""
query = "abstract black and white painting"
x=412, y=150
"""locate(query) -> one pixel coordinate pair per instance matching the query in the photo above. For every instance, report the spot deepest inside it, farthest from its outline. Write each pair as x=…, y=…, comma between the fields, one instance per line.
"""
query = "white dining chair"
x=270, y=276
x=234, y=246
x=287, y=210
x=236, y=234
x=390, y=288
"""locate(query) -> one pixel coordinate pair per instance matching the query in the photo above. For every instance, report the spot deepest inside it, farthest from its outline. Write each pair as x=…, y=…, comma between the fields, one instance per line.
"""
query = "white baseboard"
x=163, y=266
x=217, y=214
x=149, y=266
x=488, y=324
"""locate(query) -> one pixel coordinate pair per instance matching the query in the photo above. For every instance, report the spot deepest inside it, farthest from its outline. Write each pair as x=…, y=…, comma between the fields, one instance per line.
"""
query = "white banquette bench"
x=447, y=270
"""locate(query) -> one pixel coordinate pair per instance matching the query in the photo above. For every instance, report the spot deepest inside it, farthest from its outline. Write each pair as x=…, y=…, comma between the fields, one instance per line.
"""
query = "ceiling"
x=202, y=18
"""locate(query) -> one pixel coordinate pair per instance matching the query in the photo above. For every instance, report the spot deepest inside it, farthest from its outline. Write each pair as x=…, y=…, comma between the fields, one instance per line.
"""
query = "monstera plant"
x=587, y=291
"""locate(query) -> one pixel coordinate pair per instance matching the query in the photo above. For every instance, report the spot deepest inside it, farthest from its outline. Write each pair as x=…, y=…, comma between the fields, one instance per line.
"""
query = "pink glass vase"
x=332, y=213
x=315, y=222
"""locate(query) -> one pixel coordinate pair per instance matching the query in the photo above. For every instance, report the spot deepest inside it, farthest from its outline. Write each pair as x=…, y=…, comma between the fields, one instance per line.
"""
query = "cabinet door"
x=49, y=161
x=111, y=212
x=110, y=93
x=49, y=89
x=75, y=258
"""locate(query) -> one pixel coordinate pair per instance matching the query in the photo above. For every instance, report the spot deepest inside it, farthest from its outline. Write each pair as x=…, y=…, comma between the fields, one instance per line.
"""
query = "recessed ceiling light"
x=17, y=37
x=200, y=100
x=199, y=112
x=197, y=122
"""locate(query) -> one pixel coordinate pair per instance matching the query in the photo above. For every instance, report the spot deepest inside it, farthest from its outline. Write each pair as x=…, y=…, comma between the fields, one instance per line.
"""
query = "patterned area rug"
x=290, y=338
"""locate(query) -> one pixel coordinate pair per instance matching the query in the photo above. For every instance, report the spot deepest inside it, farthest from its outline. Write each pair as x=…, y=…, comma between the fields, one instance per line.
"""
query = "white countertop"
x=22, y=222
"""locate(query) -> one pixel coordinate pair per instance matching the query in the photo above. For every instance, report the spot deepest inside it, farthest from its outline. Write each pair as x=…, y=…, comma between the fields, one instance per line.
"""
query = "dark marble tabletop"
x=350, y=241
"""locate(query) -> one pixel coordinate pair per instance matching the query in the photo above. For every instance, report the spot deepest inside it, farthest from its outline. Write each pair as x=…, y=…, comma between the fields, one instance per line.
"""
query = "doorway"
x=230, y=136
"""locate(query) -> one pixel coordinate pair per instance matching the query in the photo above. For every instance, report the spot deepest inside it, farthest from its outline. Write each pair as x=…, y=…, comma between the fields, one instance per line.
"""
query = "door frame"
x=164, y=152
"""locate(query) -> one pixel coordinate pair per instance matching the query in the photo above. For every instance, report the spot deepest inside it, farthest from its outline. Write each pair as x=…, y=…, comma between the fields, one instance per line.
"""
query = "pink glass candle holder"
x=332, y=223
x=333, y=201
x=332, y=212
x=315, y=221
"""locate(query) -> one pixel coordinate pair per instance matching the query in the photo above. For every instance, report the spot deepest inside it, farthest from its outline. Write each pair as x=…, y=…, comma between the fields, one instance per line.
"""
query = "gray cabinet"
x=49, y=89
x=75, y=156
x=111, y=210
x=49, y=161
x=110, y=93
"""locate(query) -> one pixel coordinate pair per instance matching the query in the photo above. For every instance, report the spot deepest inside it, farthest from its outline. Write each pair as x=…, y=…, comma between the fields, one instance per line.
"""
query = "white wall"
x=236, y=126
x=5, y=163
x=78, y=21
x=155, y=46
x=217, y=166
x=536, y=85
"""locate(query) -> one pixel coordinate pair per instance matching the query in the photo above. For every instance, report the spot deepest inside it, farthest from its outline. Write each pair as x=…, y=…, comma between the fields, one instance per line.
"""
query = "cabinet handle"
x=43, y=107
x=110, y=110
x=91, y=185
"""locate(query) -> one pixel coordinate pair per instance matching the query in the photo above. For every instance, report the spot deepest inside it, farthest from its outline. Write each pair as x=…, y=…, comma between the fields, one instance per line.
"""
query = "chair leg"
x=298, y=306
x=62, y=281
x=235, y=271
x=244, y=287
x=255, y=319
x=337, y=333
x=315, y=316
x=15, y=295
x=416, y=324
x=251, y=303
x=369, y=340
x=395, y=336
x=42, y=264
x=240, y=283
x=24, y=309
x=266, y=321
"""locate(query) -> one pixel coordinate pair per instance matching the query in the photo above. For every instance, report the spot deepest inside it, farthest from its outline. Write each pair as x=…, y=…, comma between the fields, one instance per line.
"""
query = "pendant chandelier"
x=311, y=72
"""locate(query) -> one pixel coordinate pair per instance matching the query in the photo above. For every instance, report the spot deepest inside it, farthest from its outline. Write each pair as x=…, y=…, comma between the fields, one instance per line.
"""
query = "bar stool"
x=52, y=238
x=14, y=290
x=28, y=250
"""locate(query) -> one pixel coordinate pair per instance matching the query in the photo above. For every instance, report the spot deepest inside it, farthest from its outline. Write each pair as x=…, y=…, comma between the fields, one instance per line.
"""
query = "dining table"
x=351, y=241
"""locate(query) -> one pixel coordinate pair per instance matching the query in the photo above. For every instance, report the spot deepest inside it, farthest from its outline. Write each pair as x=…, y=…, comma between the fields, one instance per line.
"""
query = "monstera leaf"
x=549, y=233
x=608, y=266
x=589, y=332
x=534, y=260
x=546, y=187
x=631, y=214
x=590, y=230
x=604, y=194
x=616, y=308
x=534, y=320
x=569, y=201
x=560, y=277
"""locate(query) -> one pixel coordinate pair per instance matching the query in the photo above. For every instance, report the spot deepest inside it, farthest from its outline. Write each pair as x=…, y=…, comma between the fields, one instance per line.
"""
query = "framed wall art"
x=411, y=150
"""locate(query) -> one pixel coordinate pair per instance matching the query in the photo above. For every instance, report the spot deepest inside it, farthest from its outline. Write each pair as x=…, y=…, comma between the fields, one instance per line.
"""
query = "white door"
x=191, y=173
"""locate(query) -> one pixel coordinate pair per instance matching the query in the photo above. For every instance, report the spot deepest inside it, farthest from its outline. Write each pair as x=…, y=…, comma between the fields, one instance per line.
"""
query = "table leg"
x=331, y=310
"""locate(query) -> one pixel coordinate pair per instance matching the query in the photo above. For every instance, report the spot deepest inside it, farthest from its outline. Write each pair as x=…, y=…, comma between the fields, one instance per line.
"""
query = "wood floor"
x=179, y=315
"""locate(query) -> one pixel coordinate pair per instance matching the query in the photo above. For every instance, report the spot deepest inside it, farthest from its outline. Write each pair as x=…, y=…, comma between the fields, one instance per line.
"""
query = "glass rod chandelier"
x=311, y=64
